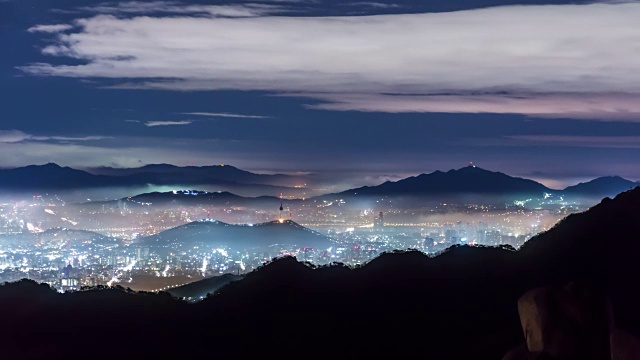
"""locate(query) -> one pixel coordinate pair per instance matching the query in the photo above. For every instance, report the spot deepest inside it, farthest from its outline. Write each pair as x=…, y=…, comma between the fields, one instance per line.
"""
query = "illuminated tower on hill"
x=281, y=208
x=378, y=222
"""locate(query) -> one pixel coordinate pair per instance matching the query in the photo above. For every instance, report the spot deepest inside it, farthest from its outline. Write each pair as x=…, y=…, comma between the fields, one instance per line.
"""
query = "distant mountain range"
x=171, y=174
x=51, y=177
x=239, y=237
x=465, y=181
x=607, y=186
x=193, y=198
x=474, y=181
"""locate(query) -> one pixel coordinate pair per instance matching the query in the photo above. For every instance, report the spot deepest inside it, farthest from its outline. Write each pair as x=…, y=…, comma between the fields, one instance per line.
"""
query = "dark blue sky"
x=548, y=92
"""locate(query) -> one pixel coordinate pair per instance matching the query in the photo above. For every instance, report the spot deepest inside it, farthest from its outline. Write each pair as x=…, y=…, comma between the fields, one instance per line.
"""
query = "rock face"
x=522, y=353
x=624, y=346
x=571, y=322
x=568, y=323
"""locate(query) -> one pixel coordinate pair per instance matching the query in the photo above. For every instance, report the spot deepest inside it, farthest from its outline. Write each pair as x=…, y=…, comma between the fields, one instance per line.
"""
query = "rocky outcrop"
x=624, y=346
x=571, y=322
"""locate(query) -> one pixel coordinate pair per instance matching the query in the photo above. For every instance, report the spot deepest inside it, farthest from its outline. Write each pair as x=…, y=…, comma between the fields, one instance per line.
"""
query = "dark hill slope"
x=397, y=301
x=467, y=180
x=199, y=289
x=601, y=187
x=52, y=177
x=602, y=243
x=466, y=185
x=171, y=174
x=49, y=176
x=42, y=320
x=191, y=198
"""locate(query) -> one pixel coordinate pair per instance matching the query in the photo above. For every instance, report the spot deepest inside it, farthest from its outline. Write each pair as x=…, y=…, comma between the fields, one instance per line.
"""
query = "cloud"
x=227, y=115
x=563, y=60
x=50, y=28
x=553, y=141
x=178, y=8
x=620, y=142
x=70, y=138
x=598, y=106
x=130, y=151
x=166, y=123
x=83, y=155
x=16, y=136
x=376, y=5
x=13, y=136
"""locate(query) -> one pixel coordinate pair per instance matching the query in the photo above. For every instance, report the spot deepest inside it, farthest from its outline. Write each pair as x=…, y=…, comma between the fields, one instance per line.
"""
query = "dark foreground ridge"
x=462, y=304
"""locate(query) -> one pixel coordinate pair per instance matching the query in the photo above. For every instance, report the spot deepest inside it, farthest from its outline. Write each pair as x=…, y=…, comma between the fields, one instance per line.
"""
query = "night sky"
x=355, y=90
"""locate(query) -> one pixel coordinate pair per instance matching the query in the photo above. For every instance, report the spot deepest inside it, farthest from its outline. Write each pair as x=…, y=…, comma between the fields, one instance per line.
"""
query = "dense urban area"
x=71, y=245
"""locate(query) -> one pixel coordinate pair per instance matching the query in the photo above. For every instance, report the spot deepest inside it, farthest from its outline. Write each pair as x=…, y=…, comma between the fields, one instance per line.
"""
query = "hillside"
x=171, y=174
x=191, y=198
x=49, y=176
x=607, y=186
x=239, y=237
x=197, y=290
x=465, y=181
x=54, y=177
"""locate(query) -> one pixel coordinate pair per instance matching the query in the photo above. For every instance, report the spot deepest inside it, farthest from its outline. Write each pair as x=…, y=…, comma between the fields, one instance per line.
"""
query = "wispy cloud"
x=377, y=5
x=50, y=28
x=89, y=154
x=496, y=60
x=585, y=105
x=227, y=115
x=623, y=142
x=553, y=141
x=166, y=123
x=16, y=136
x=13, y=136
x=178, y=8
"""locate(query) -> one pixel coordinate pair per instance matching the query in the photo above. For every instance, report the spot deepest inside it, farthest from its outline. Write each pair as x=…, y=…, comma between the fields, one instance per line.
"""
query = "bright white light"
x=203, y=270
x=223, y=252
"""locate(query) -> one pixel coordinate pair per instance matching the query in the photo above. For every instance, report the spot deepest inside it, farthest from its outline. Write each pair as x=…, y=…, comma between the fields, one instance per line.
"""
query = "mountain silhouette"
x=239, y=237
x=468, y=180
x=171, y=174
x=467, y=183
x=49, y=176
x=193, y=198
x=600, y=244
x=606, y=186
x=54, y=177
